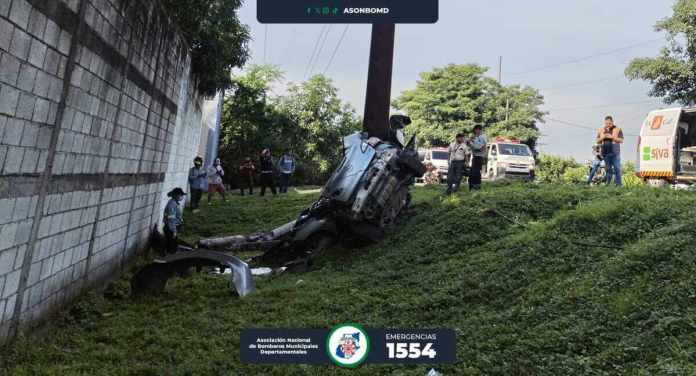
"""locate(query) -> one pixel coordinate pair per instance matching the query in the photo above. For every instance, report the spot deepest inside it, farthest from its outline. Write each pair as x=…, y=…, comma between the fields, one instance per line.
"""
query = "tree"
x=672, y=73
x=453, y=99
x=309, y=119
x=218, y=40
x=248, y=117
x=320, y=119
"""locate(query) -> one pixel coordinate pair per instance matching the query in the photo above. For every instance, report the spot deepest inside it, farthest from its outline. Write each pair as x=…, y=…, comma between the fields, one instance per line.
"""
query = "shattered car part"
x=363, y=198
x=153, y=277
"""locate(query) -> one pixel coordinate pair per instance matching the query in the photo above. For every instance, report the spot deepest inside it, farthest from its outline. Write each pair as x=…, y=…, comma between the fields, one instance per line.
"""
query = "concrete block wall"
x=98, y=120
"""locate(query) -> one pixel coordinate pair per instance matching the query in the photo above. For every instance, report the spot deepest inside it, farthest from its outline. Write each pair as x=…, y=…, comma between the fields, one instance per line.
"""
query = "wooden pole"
x=379, y=80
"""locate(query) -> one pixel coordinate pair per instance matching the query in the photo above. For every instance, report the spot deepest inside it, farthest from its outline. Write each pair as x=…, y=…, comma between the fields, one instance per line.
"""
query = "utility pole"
x=500, y=82
x=379, y=80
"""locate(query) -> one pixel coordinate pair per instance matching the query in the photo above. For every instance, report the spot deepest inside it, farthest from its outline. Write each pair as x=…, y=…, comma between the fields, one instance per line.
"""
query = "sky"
x=573, y=51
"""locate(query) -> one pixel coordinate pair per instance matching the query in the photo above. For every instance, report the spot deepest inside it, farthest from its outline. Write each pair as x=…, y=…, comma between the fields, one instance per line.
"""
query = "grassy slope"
x=519, y=284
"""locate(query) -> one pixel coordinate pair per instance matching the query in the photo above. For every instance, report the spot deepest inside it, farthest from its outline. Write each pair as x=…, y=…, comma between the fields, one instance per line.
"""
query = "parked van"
x=439, y=158
x=667, y=147
x=508, y=158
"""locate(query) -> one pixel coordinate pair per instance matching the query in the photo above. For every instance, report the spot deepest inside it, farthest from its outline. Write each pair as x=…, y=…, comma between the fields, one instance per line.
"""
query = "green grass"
x=535, y=280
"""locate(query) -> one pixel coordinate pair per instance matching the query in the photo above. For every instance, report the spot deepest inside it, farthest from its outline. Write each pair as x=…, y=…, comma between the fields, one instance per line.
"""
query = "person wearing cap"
x=478, y=152
x=215, y=183
x=458, y=153
x=198, y=180
x=266, y=169
x=173, y=218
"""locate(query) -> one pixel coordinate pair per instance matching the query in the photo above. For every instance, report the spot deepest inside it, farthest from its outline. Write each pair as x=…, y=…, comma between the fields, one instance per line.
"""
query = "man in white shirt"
x=478, y=151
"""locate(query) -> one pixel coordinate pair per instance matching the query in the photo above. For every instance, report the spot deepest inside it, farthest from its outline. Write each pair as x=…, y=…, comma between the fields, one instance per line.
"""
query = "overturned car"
x=363, y=198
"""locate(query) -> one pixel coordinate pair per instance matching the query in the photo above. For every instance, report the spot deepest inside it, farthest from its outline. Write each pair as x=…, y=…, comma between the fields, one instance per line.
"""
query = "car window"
x=440, y=155
x=514, y=149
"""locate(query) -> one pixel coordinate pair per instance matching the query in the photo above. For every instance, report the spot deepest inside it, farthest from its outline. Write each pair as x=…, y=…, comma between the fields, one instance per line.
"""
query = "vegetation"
x=453, y=99
x=309, y=119
x=218, y=40
x=535, y=280
x=555, y=169
x=673, y=72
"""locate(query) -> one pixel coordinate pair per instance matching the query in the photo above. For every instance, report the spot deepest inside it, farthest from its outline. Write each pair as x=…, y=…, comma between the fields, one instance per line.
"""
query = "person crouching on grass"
x=215, y=184
x=172, y=219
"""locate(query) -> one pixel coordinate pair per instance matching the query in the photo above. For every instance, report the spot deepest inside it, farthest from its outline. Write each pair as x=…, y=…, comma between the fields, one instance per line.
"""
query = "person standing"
x=215, y=183
x=609, y=138
x=198, y=180
x=172, y=219
x=266, y=169
x=478, y=152
x=286, y=166
x=246, y=176
x=458, y=153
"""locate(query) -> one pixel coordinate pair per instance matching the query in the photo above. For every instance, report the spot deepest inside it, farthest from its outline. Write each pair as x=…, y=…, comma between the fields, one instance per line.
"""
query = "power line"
x=584, y=58
x=580, y=126
x=265, y=42
x=321, y=48
x=316, y=46
x=601, y=106
x=582, y=83
x=290, y=44
x=338, y=45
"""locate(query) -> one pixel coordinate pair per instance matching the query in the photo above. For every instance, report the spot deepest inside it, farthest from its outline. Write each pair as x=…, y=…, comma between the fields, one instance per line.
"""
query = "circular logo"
x=347, y=345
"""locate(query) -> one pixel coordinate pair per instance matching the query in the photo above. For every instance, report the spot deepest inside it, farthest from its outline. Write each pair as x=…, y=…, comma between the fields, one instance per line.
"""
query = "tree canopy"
x=218, y=40
x=308, y=119
x=672, y=73
x=453, y=99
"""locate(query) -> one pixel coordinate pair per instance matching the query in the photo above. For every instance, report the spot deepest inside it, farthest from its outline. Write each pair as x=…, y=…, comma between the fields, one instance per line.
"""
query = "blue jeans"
x=613, y=163
x=593, y=170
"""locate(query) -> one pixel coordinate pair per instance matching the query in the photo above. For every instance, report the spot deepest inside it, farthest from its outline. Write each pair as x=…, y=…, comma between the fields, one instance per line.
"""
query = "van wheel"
x=657, y=183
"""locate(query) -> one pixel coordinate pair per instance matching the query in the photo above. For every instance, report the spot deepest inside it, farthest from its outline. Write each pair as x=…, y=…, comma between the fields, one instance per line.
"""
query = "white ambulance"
x=508, y=159
x=667, y=147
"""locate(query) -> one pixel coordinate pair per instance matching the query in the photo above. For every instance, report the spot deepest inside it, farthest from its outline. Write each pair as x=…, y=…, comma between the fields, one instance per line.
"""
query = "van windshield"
x=440, y=155
x=514, y=149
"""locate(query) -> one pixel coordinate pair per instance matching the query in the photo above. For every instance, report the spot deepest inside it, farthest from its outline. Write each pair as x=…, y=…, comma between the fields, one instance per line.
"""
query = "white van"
x=509, y=159
x=667, y=147
x=439, y=158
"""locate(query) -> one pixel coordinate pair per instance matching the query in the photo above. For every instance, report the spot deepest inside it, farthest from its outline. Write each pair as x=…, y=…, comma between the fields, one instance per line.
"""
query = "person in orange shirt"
x=609, y=138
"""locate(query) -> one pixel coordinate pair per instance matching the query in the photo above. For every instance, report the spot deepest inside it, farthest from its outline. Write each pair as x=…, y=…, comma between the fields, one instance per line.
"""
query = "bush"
x=552, y=168
x=575, y=175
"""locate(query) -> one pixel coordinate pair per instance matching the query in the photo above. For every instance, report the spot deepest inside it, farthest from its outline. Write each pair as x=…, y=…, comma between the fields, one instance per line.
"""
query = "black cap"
x=176, y=192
